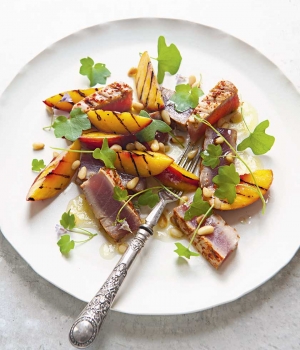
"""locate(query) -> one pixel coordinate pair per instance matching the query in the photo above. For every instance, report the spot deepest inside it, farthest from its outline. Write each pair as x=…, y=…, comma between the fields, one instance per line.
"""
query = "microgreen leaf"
x=97, y=73
x=186, y=97
x=106, y=154
x=148, y=133
x=197, y=207
x=67, y=220
x=119, y=194
x=65, y=244
x=184, y=251
x=148, y=198
x=71, y=128
x=169, y=59
x=258, y=140
x=211, y=156
x=37, y=165
x=226, y=180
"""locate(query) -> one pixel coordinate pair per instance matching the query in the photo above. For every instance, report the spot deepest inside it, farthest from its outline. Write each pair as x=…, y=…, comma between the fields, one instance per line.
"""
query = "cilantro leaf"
x=119, y=194
x=65, y=244
x=148, y=198
x=67, y=220
x=97, y=73
x=148, y=133
x=37, y=165
x=184, y=251
x=226, y=180
x=186, y=97
x=71, y=128
x=258, y=140
x=211, y=156
x=169, y=59
x=106, y=154
x=198, y=206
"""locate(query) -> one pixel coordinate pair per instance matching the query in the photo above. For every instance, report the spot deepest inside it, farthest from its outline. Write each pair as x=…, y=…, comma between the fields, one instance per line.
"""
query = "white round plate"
x=159, y=282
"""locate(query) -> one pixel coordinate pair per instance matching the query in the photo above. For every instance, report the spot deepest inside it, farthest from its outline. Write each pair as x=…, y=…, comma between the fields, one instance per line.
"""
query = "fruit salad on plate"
x=121, y=145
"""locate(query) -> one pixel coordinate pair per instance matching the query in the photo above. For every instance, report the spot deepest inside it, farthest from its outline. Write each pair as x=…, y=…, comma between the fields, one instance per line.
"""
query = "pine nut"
x=132, y=183
x=154, y=145
x=82, y=173
x=219, y=140
x=137, y=106
x=199, y=219
x=217, y=203
x=163, y=221
x=130, y=146
x=207, y=192
x=183, y=200
x=179, y=139
x=196, y=84
x=166, y=117
x=191, y=119
x=192, y=154
x=225, y=125
x=229, y=158
x=221, y=121
x=161, y=147
x=139, y=146
x=175, y=233
x=75, y=164
x=132, y=71
x=116, y=148
x=38, y=146
x=192, y=80
x=55, y=154
x=167, y=148
x=122, y=248
x=236, y=117
x=205, y=230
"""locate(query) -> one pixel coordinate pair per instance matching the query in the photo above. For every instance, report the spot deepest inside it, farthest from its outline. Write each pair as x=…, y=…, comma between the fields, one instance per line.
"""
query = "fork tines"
x=187, y=163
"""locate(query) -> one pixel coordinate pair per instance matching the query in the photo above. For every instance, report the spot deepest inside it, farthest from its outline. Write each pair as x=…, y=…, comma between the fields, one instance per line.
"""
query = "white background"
x=35, y=314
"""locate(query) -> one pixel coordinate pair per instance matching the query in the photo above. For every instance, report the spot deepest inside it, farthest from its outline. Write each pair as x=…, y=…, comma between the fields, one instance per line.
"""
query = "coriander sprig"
x=237, y=156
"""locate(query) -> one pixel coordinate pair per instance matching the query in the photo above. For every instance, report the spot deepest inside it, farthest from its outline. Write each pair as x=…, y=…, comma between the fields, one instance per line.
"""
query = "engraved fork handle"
x=86, y=327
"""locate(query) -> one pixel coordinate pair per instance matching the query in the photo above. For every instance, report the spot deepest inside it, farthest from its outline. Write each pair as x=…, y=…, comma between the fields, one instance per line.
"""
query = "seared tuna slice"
x=215, y=247
x=98, y=191
x=93, y=166
x=179, y=118
x=114, y=97
x=207, y=173
x=220, y=101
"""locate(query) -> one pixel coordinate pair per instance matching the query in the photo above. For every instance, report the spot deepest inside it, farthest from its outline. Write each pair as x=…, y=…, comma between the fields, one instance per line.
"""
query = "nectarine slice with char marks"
x=142, y=164
x=176, y=177
x=56, y=176
x=118, y=123
x=94, y=140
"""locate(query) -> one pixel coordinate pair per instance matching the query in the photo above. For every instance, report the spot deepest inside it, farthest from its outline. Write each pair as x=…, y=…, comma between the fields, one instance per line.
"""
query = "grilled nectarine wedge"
x=147, y=87
x=56, y=176
x=93, y=140
x=178, y=178
x=142, y=164
x=118, y=123
x=246, y=191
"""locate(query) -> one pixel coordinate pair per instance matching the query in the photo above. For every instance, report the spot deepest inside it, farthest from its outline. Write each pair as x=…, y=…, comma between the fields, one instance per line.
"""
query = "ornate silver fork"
x=86, y=327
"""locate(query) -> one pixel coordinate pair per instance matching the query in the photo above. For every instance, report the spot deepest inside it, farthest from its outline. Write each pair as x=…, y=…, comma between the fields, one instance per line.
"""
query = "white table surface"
x=36, y=315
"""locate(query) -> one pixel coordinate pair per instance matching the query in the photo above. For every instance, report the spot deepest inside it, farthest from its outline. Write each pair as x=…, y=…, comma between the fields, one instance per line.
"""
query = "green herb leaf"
x=37, y=165
x=169, y=59
x=211, y=156
x=148, y=133
x=65, y=244
x=71, y=128
x=97, y=73
x=106, y=154
x=119, y=194
x=67, y=220
x=258, y=140
x=197, y=207
x=184, y=251
x=148, y=198
x=226, y=180
x=186, y=97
